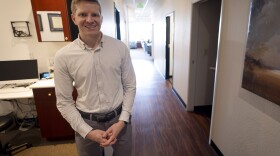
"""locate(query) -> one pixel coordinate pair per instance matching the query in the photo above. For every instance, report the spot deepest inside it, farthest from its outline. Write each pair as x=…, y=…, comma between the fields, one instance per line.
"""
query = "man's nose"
x=90, y=19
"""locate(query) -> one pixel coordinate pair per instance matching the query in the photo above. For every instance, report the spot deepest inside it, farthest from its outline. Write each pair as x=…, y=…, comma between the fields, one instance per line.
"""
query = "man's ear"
x=73, y=19
x=101, y=20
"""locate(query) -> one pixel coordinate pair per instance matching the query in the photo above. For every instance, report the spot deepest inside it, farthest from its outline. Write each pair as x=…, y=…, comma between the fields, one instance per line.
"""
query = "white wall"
x=243, y=123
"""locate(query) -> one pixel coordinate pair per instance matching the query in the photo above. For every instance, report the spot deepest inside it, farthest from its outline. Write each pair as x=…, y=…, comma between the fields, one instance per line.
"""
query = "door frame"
x=191, y=103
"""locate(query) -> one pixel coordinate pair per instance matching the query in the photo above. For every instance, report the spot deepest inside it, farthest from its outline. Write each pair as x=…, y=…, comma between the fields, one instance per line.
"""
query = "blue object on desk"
x=44, y=75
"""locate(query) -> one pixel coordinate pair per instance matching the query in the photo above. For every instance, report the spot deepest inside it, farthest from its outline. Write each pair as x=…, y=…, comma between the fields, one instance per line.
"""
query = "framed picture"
x=261, y=74
x=40, y=22
x=20, y=28
x=55, y=22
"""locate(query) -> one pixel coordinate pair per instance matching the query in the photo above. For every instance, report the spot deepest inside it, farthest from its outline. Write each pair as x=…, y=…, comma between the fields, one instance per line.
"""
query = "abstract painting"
x=261, y=74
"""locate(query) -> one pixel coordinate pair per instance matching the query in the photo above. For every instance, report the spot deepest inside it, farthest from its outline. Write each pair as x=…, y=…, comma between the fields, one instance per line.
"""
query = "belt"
x=102, y=117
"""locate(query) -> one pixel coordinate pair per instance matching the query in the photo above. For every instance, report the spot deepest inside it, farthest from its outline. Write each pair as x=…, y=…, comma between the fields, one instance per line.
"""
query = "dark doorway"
x=169, y=46
x=117, y=18
x=204, y=48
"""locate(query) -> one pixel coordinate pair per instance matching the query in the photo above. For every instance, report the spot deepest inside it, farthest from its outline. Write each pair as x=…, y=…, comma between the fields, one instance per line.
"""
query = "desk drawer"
x=44, y=94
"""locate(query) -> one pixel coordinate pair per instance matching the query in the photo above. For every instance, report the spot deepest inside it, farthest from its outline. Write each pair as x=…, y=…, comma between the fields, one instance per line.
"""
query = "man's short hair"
x=75, y=2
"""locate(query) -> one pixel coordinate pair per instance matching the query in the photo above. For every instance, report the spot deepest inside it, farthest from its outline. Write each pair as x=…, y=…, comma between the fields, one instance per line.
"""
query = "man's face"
x=88, y=18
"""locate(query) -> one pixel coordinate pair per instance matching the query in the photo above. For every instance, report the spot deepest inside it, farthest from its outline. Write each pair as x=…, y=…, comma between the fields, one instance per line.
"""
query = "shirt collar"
x=84, y=46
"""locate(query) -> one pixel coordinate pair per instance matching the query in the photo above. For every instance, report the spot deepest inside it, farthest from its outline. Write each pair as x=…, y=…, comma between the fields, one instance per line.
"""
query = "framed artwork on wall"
x=20, y=28
x=40, y=22
x=55, y=22
x=261, y=74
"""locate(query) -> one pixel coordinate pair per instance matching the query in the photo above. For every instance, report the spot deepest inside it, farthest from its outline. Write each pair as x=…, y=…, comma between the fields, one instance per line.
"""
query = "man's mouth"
x=90, y=26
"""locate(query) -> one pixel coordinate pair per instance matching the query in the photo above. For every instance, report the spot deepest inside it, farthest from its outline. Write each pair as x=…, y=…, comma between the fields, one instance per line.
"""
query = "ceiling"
x=140, y=9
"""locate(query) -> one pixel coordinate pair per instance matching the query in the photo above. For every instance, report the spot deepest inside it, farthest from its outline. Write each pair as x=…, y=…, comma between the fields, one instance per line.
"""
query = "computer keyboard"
x=14, y=90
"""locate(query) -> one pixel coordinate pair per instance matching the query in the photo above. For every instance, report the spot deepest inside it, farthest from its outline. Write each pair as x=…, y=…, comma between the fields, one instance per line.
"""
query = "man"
x=101, y=70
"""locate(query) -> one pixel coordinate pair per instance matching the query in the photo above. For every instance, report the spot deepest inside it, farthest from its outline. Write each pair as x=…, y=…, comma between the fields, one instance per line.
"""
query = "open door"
x=204, y=43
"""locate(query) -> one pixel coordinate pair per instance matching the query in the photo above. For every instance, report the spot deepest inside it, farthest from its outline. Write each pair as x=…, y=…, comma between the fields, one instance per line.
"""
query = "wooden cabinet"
x=52, y=124
x=64, y=7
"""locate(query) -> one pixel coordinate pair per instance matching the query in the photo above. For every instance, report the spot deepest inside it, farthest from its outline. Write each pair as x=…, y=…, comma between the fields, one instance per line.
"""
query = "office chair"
x=7, y=123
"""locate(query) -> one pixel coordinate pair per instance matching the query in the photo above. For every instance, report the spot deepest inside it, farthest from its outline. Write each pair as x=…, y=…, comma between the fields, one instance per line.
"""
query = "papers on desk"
x=14, y=90
x=16, y=93
x=19, y=92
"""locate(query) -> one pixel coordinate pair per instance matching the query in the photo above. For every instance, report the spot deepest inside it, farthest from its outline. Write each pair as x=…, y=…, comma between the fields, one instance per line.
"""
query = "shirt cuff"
x=84, y=130
x=124, y=116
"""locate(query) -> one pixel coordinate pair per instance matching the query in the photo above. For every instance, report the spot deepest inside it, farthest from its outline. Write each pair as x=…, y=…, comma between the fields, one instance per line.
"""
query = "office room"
x=18, y=50
x=241, y=123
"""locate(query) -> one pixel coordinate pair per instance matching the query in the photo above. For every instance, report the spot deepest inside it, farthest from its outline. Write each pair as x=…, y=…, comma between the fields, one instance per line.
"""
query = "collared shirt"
x=103, y=77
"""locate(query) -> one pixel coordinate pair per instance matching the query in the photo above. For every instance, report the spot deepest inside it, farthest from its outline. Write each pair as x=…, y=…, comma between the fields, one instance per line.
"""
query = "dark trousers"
x=123, y=146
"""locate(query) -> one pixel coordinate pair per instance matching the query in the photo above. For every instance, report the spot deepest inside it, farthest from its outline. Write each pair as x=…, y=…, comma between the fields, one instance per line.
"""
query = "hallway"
x=161, y=125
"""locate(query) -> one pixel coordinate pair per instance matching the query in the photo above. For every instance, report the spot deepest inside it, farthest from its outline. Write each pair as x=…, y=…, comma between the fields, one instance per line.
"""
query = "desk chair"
x=7, y=122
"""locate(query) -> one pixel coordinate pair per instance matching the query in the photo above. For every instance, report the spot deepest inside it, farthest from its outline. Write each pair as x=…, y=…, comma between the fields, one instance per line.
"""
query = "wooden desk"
x=52, y=124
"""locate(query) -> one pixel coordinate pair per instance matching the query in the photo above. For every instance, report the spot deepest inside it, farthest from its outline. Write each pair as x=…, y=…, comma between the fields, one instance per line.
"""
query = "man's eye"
x=95, y=15
x=83, y=15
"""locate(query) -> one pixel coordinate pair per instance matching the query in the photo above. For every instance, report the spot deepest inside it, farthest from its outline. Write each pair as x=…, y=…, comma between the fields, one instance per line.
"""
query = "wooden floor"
x=161, y=125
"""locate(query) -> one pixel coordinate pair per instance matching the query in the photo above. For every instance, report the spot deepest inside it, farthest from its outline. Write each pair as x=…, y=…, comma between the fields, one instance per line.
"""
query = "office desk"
x=47, y=83
x=16, y=95
x=52, y=124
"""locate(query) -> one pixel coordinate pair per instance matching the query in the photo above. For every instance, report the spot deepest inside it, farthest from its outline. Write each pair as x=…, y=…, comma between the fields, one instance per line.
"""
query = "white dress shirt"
x=104, y=78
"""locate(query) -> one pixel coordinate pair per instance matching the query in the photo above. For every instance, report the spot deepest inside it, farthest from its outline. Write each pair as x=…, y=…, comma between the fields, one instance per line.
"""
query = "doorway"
x=204, y=44
x=169, y=47
x=117, y=21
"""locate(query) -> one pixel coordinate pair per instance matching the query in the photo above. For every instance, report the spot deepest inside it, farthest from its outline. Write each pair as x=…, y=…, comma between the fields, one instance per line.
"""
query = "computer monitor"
x=18, y=71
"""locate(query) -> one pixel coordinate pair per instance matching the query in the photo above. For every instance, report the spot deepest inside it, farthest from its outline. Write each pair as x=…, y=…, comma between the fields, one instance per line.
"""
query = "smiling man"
x=101, y=70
